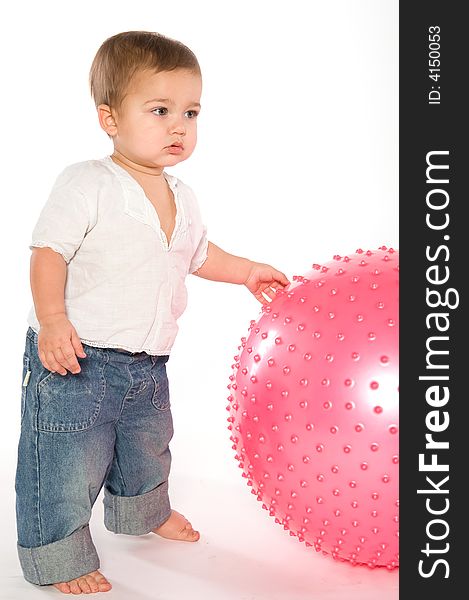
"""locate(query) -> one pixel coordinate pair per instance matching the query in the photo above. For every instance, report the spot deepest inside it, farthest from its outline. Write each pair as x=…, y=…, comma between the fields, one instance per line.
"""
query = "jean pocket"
x=160, y=398
x=71, y=402
x=25, y=380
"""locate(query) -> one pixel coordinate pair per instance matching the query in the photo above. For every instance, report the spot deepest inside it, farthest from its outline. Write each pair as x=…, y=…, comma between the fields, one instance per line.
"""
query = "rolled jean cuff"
x=137, y=515
x=63, y=560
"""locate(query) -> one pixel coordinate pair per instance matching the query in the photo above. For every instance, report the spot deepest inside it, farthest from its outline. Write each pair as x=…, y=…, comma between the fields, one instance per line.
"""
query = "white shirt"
x=125, y=284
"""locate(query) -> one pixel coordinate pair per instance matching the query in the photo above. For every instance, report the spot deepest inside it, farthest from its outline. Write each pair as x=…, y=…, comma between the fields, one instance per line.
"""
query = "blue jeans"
x=108, y=425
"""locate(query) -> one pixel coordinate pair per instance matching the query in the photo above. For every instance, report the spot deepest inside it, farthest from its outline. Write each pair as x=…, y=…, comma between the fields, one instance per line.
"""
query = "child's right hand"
x=59, y=345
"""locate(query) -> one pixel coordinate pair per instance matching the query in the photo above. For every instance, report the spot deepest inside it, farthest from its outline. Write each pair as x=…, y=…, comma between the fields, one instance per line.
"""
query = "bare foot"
x=86, y=584
x=177, y=527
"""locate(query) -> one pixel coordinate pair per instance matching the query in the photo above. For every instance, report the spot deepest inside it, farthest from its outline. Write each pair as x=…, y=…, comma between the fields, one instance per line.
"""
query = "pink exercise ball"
x=314, y=407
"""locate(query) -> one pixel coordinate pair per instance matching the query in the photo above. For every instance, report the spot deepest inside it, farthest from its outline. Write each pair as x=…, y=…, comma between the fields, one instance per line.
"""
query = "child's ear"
x=107, y=120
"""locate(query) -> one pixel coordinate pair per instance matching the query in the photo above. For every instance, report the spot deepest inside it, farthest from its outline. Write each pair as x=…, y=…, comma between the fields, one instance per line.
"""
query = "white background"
x=297, y=160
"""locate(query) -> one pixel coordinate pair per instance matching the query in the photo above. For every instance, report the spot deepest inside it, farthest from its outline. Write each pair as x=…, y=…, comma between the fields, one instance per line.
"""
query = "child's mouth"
x=175, y=149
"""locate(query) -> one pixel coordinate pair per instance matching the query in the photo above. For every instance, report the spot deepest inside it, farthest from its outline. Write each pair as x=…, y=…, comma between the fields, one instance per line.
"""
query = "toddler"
x=110, y=253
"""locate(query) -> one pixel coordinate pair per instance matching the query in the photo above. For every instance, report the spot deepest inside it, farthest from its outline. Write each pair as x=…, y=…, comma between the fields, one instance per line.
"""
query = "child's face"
x=159, y=110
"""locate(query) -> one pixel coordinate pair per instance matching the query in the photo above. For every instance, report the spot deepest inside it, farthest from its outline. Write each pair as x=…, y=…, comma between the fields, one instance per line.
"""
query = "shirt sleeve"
x=200, y=255
x=64, y=219
x=198, y=230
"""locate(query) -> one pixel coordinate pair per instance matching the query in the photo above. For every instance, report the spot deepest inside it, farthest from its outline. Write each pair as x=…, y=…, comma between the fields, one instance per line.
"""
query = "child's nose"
x=178, y=126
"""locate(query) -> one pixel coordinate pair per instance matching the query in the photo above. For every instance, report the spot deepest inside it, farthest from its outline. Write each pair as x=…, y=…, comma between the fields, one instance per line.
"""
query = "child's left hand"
x=264, y=279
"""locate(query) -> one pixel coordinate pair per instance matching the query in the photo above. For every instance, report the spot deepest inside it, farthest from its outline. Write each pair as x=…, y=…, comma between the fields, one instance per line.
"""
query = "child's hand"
x=265, y=279
x=59, y=345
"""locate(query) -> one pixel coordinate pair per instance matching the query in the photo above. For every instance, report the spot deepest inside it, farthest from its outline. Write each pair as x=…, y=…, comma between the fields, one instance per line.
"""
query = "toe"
x=63, y=587
x=195, y=536
x=74, y=587
x=92, y=583
x=190, y=534
x=103, y=584
x=84, y=585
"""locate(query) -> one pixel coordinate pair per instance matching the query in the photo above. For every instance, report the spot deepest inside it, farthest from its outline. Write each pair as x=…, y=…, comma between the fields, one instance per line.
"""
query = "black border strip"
x=434, y=257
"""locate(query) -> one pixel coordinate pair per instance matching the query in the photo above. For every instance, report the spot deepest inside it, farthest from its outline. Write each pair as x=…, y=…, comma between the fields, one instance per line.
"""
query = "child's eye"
x=160, y=110
x=192, y=114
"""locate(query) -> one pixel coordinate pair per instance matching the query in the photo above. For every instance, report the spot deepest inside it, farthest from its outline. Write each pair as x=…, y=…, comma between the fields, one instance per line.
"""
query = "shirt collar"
x=136, y=202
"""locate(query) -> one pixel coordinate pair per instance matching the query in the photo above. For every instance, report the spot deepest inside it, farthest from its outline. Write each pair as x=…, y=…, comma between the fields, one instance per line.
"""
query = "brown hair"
x=121, y=56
